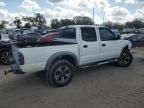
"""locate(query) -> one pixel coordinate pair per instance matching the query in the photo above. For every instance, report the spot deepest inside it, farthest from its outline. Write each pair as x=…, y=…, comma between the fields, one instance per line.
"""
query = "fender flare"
x=125, y=47
x=58, y=55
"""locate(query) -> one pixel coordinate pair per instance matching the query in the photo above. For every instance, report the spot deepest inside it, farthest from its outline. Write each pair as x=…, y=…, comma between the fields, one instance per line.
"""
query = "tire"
x=5, y=56
x=125, y=59
x=60, y=74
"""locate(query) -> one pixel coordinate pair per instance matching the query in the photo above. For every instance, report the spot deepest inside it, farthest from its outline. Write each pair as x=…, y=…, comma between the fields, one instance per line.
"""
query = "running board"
x=106, y=62
x=99, y=63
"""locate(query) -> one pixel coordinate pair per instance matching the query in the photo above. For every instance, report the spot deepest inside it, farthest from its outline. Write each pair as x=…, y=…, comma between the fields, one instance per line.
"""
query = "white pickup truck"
x=76, y=46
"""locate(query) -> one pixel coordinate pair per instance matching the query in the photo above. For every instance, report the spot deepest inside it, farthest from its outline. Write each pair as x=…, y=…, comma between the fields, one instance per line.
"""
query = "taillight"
x=21, y=58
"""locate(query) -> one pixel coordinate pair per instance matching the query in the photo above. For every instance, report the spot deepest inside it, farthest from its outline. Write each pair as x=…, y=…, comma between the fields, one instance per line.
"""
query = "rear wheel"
x=125, y=59
x=5, y=56
x=61, y=73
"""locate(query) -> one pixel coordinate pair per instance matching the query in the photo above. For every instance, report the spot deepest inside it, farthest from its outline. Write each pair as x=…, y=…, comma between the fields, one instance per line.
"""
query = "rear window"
x=67, y=33
x=33, y=34
x=88, y=34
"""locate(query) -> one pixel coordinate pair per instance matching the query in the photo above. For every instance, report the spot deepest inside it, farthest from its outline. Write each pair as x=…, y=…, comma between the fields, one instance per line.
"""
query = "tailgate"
x=14, y=61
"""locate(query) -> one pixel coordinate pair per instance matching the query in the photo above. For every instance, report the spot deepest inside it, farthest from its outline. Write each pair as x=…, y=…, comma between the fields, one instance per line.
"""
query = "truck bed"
x=36, y=55
x=36, y=44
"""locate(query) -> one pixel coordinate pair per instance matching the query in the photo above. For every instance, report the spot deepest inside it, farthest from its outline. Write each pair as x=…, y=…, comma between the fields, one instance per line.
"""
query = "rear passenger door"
x=89, y=45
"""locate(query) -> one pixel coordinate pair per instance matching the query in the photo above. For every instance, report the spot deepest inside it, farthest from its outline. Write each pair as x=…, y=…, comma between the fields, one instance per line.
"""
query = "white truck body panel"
x=90, y=54
x=36, y=58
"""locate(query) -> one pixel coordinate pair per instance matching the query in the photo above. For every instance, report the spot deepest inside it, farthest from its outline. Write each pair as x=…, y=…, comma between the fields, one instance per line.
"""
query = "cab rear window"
x=67, y=33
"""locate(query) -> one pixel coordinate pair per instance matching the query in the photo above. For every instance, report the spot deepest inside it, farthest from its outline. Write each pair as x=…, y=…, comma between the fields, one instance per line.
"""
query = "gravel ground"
x=104, y=86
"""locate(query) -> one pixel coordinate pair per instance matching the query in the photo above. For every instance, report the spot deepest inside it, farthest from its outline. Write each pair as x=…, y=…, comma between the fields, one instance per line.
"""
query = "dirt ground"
x=105, y=86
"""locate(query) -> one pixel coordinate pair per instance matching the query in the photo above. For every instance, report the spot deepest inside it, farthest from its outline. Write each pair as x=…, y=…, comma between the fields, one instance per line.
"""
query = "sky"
x=119, y=11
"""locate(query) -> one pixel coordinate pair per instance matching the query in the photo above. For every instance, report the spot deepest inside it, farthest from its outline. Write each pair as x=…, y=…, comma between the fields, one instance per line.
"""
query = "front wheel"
x=61, y=73
x=125, y=59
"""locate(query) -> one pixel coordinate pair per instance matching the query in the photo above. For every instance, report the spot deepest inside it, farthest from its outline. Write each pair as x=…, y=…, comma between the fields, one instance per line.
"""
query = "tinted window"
x=88, y=34
x=68, y=33
x=134, y=38
x=34, y=34
x=137, y=37
x=140, y=37
x=106, y=34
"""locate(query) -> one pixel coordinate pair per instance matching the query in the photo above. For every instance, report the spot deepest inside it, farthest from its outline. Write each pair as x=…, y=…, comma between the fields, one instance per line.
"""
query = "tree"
x=17, y=22
x=40, y=20
x=78, y=20
x=108, y=24
x=129, y=25
x=82, y=20
x=111, y=25
x=31, y=20
x=27, y=25
x=55, y=24
x=65, y=22
x=3, y=24
x=137, y=24
x=118, y=26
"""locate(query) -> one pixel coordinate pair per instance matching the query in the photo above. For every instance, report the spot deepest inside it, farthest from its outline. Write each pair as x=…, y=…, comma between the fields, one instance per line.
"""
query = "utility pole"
x=103, y=17
x=93, y=16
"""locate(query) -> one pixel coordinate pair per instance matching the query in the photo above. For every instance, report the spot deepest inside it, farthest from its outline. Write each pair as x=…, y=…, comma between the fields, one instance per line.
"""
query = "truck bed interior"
x=36, y=44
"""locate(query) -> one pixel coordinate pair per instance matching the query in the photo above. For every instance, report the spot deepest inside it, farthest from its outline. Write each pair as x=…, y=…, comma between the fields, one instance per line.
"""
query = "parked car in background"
x=126, y=36
x=41, y=31
x=6, y=31
x=137, y=40
x=38, y=31
x=4, y=37
x=26, y=32
x=52, y=30
x=30, y=37
x=14, y=35
x=48, y=38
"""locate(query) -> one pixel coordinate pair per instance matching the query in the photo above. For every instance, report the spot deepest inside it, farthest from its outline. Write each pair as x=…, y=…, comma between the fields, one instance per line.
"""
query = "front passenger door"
x=108, y=43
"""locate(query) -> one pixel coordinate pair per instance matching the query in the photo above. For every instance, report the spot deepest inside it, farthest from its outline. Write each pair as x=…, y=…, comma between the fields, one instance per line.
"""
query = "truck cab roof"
x=83, y=26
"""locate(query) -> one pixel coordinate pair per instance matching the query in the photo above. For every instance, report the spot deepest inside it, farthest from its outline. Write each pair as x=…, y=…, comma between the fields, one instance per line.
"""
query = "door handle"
x=103, y=45
x=85, y=46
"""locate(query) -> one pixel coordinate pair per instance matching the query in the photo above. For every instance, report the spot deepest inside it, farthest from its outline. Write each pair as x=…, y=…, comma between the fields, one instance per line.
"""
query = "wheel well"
x=69, y=58
x=126, y=48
